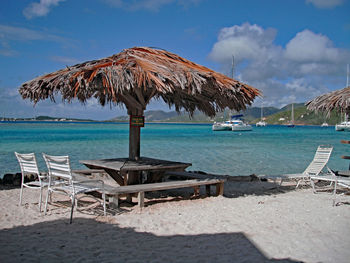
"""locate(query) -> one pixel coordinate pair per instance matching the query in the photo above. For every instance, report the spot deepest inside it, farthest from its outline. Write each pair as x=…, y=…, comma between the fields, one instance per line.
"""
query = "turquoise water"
x=265, y=150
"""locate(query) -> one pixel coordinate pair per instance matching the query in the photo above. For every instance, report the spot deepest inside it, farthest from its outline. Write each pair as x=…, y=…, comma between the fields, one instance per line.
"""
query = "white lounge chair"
x=333, y=179
x=316, y=166
x=28, y=165
x=59, y=166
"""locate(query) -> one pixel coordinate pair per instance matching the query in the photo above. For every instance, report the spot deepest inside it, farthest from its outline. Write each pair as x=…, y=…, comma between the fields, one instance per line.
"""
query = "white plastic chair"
x=319, y=162
x=316, y=166
x=29, y=165
x=59, y=167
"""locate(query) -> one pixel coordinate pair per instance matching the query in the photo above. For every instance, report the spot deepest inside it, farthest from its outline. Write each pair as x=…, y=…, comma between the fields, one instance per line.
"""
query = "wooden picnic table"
x=125, y=171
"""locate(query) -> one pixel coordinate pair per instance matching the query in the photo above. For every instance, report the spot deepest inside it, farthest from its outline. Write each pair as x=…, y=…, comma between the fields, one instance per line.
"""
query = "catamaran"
x=345, y=125
x=234, y=124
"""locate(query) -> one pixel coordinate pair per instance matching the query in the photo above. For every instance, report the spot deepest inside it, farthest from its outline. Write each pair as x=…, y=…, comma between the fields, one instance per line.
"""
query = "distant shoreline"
x=152, y=122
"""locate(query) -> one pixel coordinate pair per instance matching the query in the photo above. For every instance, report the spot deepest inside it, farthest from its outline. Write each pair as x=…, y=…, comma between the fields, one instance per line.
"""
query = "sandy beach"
x=253, y=222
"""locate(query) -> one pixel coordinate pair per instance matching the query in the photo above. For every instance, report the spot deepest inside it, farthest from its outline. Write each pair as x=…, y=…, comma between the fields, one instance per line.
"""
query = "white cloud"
x=251, y=41
x=300, y=70
x=65, y=60
x=325, y=3
x=10, y=34
x=150, y=5
x=307, y=46
x=40, y=9
x=24, y=34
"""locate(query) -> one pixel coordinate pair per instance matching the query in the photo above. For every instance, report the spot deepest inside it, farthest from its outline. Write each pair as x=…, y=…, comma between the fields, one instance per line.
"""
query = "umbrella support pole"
x=134, y=143
x=134, y=148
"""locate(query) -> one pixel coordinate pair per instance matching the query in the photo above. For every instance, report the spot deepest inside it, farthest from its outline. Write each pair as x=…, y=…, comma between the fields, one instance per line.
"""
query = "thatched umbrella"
x=337, y=100
x=135, y=76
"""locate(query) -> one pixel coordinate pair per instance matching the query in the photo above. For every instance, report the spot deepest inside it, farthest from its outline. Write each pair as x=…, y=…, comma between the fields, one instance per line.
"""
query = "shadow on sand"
x=87, y=240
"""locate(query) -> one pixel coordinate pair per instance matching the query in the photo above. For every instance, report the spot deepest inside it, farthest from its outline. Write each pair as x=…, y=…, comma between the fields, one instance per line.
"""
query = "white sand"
x=250, y=224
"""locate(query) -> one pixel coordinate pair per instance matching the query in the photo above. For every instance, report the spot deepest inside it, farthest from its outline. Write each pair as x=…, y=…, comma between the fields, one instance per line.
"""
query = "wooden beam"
x=220, y=189
x=141, y=199
x=207, y=190
x=196, y=190
x=115, y=175
x=113, y=201
x=131, y=103
x=140, y=97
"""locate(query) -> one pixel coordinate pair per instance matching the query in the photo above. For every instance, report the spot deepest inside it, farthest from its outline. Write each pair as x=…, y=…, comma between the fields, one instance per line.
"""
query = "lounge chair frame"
x=28, y=164
x=315, y=167
x=59, y=167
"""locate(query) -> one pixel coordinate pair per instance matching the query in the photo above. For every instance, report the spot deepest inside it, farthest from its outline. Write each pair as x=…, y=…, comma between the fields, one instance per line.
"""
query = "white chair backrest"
x=320, y=160
x=58, y=166
x=28, y=163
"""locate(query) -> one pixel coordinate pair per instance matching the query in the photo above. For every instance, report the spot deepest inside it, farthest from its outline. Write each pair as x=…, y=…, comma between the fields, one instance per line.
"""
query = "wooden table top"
x=143, y=164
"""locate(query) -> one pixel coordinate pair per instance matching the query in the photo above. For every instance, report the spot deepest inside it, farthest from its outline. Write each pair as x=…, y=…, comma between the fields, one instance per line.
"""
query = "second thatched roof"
x=136, y=75
x=337, y=100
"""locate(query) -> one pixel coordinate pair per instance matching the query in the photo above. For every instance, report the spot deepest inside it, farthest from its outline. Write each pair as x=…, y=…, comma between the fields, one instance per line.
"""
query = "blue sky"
x=292, y=50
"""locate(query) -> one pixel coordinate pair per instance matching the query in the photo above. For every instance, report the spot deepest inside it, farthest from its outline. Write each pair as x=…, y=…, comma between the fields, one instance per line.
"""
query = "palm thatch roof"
x=337, y=100
x=136, y=75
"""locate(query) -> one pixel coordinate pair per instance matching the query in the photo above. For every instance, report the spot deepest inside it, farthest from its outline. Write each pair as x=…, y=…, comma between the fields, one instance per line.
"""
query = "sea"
x=270, y=150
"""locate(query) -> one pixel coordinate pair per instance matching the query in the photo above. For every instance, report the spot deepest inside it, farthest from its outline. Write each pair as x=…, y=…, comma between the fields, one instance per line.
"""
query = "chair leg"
x=20, y=195
x=335, y=193
x=313, y=186
x=71, y=212
x=104, y=203
x=40, y=198
x=47, y=199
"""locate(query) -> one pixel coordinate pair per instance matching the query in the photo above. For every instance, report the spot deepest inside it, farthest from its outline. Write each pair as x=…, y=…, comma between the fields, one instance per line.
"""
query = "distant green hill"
x=252, y=115
x=301, y=116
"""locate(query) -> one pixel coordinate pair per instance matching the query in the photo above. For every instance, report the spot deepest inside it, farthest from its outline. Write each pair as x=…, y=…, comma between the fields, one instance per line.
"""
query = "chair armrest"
x=91, y=181
x=88, y=181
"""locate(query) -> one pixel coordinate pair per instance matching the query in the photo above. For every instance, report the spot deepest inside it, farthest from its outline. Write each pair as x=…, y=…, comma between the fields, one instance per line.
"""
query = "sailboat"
x=344, y=125
x=262, y=122
x=291, y=123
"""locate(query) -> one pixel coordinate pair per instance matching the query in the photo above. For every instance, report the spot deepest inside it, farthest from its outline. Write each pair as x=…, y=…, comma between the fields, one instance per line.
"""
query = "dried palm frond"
x=337, y=100
x=136, y=75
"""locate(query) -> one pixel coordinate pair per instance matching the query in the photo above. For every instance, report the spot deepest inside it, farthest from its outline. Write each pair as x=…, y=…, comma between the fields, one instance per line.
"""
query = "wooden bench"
x=89, y=171
x=114, y=192
x=192, y=175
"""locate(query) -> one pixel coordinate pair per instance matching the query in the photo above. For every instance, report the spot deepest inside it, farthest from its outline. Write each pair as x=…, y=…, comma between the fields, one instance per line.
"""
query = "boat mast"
x=347, y=85
x=293, y=113
x=232, y=74
x=347, y=76
x=233, y=67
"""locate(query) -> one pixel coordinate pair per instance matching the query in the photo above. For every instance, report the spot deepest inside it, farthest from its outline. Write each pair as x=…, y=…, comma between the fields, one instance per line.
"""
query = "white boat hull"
x=231, y=125
x=220, y=127
x=245, y=127
x=343, y=126
x=260, y=124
